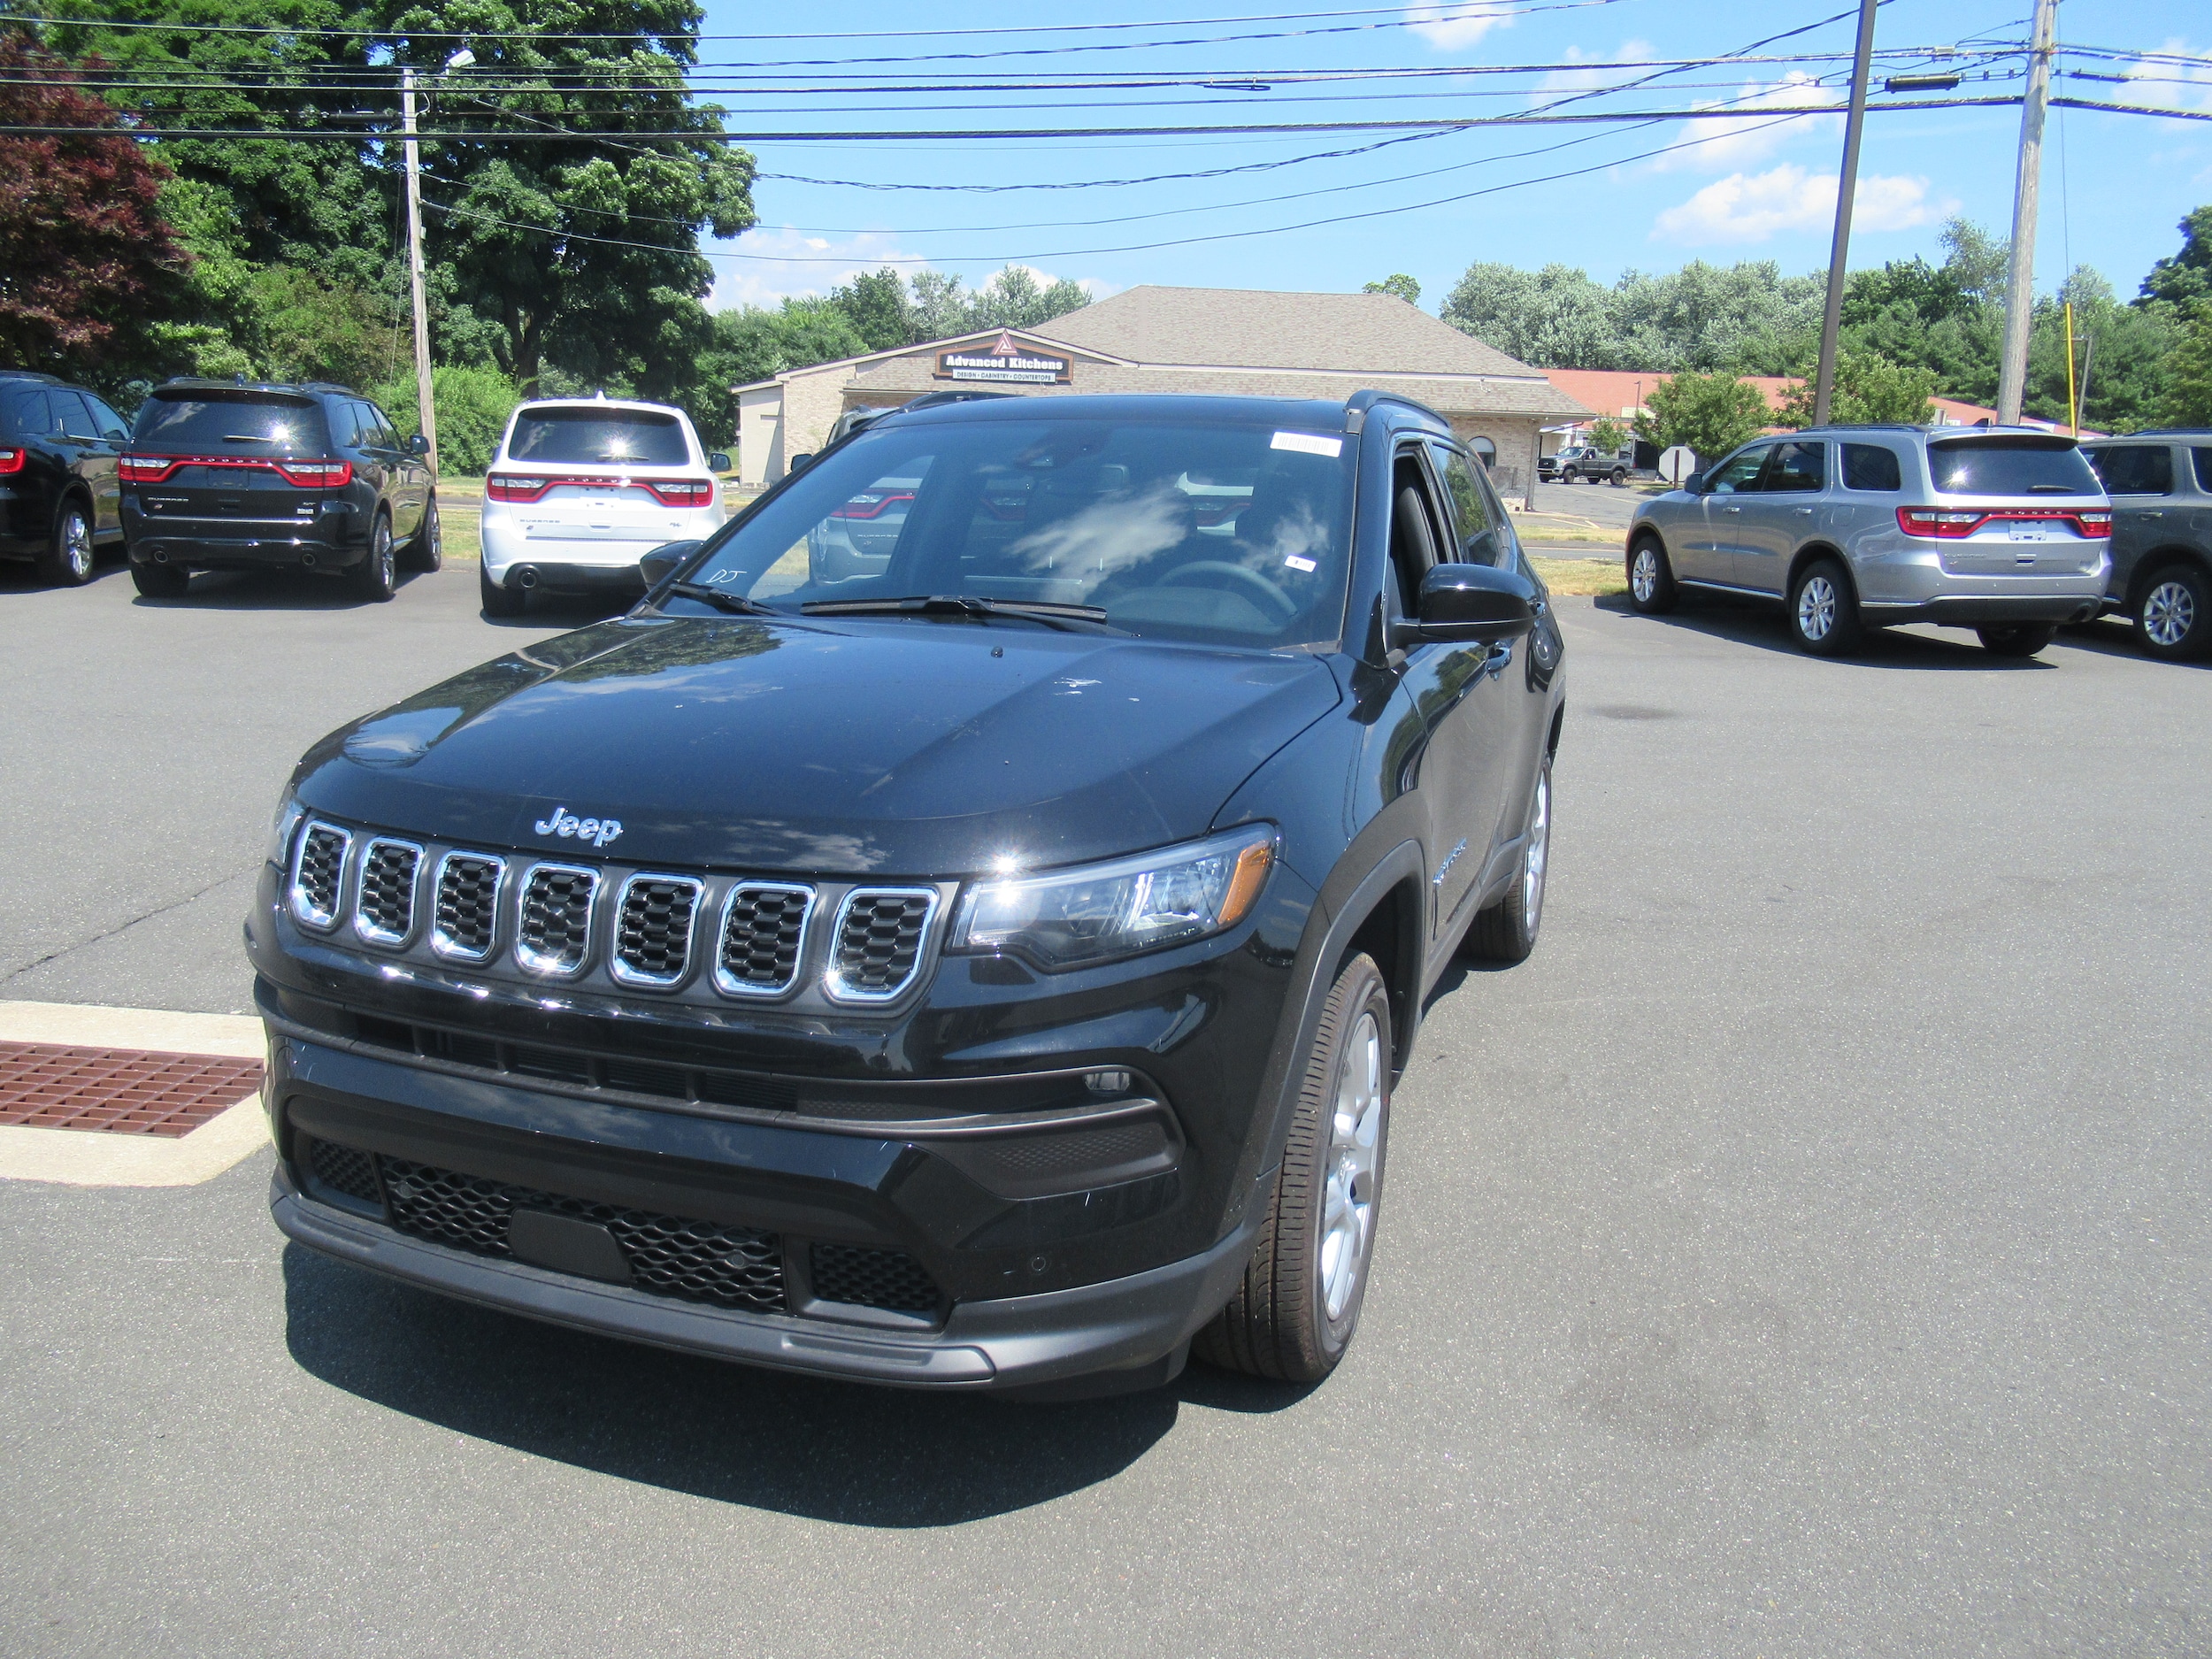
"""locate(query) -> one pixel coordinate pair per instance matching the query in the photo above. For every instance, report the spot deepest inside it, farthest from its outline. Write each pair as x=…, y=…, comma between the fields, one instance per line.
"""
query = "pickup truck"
x=1615, y=467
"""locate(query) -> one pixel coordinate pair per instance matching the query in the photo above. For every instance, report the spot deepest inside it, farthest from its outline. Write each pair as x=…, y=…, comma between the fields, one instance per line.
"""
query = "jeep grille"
x=880, y=933
x=384, y=913
x=652, y=929
x=467, y=917
x=553, y=927
x=763, y=933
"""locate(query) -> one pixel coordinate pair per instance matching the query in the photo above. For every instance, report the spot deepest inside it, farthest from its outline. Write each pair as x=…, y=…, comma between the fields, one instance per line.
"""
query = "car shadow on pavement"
x=795, y=1444
x=1756, y=623
x=2110, y=636
x=269, y=590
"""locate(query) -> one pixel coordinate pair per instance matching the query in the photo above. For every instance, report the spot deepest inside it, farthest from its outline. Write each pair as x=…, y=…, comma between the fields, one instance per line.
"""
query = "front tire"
x=426, y=550
x=2019, y=639
x=1651, y=588
x=2173, y=618
x=1824, y=610
x=160, y=582
x=70, y=557
x=376, y=577
x=1507, y=930
x=498, y=600
x=1293, y=1317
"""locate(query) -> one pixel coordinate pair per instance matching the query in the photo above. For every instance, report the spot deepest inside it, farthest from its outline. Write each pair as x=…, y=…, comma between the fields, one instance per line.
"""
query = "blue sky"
x=2113, y=185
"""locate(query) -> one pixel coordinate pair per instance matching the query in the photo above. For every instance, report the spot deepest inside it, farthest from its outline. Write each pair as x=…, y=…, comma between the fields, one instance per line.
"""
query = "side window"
x=1469, y=513
x=1871, y=466
x=1742, y=473
x=1797, y=468
x=24, y=414
x=2201, y=459
x=345, y=424
x=386, y=434
x=110, y=426
x=2135, y=468
x=74, y=419
x=1413, y=533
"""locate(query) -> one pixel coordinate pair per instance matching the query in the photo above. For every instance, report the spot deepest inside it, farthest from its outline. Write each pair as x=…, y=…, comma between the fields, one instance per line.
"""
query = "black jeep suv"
x=987, y=969
x=224, y=475
x=58, y=445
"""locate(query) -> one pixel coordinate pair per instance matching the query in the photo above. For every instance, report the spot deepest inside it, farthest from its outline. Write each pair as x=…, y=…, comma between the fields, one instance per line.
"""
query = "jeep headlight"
x=1070, y=918
x=288, y=813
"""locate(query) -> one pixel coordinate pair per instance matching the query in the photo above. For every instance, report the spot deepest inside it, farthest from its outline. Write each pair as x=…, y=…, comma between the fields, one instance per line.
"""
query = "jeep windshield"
x=1223, y=534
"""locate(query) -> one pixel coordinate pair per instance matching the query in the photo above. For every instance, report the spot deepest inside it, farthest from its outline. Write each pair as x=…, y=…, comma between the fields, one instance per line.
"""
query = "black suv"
x=58, y=445
x=985, y=969
x=227, y=475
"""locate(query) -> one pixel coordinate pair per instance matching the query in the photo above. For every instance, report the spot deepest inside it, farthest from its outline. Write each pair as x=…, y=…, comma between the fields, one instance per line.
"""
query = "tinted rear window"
x=24, y=413
x=2202, y=459
x=1871, y=466
x=206, y=422
x=2135, y=468
x=2010, y=467
x=600, y=437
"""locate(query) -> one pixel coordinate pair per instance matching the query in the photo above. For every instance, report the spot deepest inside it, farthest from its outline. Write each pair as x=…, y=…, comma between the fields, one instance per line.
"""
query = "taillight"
x=870, y=506
x=517, y=487
x=1934, y=522
x=10, y=460
x=316, y=474
x=681, y=492
x=2094, y=524
x=144, y=469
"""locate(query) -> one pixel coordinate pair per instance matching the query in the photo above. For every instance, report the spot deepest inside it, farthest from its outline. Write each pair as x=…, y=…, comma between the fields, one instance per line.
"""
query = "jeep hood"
x=882, y=747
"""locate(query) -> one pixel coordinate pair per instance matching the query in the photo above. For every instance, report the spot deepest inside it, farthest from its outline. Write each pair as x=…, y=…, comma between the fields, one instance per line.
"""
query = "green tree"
x=1607, y=435
x=940, y=309
x=1868, y=388
x=1403, y=286
x=473, y=407
x=2121, y=355
x=2184, y=278
x=1745, y=319
x=881, y=313
x=1712, y=414
x=1556, y=318
x=1016, y=299
x=2188, y=401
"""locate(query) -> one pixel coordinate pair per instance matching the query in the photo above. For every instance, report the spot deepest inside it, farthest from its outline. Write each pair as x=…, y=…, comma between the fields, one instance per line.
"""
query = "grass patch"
x=1591, y=576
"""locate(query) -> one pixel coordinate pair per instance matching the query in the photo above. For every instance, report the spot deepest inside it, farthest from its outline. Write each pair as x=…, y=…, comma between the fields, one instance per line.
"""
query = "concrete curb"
x=83, y=1157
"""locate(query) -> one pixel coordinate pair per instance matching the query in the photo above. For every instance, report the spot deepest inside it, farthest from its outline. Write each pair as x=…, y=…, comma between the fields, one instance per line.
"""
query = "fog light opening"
x=1106, y=1082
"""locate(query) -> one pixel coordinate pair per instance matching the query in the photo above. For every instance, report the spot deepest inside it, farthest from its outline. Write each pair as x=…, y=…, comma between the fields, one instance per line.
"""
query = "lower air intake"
x=872, y=1278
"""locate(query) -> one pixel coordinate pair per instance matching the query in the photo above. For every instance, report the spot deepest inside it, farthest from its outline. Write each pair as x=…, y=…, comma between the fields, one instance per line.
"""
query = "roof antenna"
x=599, y=396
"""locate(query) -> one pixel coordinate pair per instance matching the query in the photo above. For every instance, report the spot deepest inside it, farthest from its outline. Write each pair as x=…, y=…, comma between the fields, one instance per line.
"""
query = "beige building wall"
x=759, y=435
x=1515, y=437
x=811, y=404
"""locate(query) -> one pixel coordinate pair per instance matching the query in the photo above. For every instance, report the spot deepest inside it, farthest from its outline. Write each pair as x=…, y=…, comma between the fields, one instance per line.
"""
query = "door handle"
x=2151, y=512
x=1808, y=511
x=1501, y=659
x=1731, y=510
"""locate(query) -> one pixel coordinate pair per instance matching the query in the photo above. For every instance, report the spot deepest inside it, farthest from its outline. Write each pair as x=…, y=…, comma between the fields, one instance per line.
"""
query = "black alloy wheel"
x=497, y=598
x=1507, y=930
x=2017, y=639
x=1292, y=1316
x=426, y=551
x=2173, y=615
x=70, y=557
x=1824, y=610
x=376, y=577
x=160, y=582
x=1651, y=589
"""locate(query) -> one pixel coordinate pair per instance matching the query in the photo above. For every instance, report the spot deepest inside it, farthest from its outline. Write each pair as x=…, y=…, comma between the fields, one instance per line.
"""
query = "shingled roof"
x=1251, y=329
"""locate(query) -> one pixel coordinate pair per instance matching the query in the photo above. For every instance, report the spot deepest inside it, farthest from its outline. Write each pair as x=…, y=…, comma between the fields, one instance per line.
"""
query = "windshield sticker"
x=1307, y=566
x=1308, y=443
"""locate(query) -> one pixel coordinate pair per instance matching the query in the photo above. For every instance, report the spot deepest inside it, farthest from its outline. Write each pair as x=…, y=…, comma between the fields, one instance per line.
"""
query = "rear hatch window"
x=205, y=421
x=593, y=435
x=2011, y=466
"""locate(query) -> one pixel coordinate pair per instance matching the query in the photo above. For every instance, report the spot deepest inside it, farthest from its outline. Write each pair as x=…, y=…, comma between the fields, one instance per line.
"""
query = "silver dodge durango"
x=2004, y=530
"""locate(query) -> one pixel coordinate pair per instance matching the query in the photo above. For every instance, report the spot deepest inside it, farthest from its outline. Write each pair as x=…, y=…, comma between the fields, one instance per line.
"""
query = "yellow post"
x=2073, y=409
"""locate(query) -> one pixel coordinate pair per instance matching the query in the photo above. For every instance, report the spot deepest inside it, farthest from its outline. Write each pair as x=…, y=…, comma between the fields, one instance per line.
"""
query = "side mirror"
x=800, y=463
x=1472, y=605
x=418, y=445
x=717, y=462
x=1694, y=483
x=664, y=561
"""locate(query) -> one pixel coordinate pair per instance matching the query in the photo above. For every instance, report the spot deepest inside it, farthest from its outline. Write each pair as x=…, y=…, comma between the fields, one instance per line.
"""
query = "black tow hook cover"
x=566, y=1245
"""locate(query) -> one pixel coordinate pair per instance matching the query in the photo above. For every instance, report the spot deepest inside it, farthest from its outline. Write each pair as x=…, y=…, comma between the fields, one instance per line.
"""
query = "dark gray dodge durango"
x=984, y=963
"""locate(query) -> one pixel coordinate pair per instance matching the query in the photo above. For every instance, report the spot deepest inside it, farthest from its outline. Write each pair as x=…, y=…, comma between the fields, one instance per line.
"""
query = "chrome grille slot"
x=384, y=907
x=466, y=919
x=764, y=937
x=881, y=933
x=319, y=874
x=553, y=923
x=652, y=929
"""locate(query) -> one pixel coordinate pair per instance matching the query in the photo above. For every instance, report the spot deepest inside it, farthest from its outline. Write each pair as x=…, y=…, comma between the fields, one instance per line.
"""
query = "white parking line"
x=85, y=1157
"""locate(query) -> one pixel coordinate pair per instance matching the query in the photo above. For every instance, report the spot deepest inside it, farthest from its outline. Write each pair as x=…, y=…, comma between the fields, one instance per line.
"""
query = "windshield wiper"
x=735, y=603
x=1044, y=611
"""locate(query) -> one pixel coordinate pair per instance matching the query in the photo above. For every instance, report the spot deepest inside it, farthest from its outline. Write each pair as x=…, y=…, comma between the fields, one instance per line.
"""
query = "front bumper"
x=1129, y=1331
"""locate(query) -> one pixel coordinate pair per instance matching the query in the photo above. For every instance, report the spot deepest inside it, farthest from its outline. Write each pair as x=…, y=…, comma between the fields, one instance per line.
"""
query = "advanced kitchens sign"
x=1005, y=359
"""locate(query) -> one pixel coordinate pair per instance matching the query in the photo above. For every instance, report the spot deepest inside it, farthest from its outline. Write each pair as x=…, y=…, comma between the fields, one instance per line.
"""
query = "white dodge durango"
x=582, y=489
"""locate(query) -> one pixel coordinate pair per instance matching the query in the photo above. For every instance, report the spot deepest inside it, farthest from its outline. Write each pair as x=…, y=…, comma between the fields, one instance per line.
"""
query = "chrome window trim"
x=730, y=986
x=530, y=961
x=373, y=936
x=441, y=942
x=294, y=900
x=621, y=970
x=836, y=989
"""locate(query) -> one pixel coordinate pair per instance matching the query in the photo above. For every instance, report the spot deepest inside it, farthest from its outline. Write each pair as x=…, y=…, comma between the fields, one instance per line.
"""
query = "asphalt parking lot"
x=1805, y=1252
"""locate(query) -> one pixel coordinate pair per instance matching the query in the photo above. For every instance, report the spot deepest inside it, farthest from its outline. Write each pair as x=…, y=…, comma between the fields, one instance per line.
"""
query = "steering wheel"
x=1204, y=572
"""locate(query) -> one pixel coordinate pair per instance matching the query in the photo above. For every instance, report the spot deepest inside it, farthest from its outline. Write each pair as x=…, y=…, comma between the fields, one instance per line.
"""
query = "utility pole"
x=414, y=265
x=2012, y=378
x=1847, y=186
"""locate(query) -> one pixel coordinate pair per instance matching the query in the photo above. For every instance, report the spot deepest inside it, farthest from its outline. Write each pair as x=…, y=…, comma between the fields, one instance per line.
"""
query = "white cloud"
x=1732, y=140
x=2170, y=86
x=1451, y=25
x=1752, y=207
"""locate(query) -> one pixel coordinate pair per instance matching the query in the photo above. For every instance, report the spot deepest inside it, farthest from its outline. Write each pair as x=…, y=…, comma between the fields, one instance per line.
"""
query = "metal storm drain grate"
x=123, y=1091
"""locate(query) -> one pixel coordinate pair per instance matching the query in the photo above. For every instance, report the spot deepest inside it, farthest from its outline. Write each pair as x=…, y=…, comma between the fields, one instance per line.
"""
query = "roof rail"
x=29, y=375
x=1359, y=403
